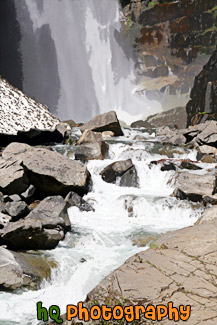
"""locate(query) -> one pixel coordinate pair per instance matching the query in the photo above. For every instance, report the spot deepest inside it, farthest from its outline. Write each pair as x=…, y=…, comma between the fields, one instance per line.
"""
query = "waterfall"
x=75, y=62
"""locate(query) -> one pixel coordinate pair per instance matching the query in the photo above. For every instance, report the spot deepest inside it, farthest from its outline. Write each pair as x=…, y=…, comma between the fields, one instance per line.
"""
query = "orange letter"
x=121, y=312
x=82, y=310
x=92, y=315
x=106, y=312
x=161, y=314
x=173, y=312
x=129, y=313
x=137, y=311
x=186, y=312
x=72, y=311
x=150, y=312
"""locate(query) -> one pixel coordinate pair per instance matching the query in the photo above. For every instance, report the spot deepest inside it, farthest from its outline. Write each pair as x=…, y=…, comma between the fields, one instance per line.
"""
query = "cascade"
x=74, y=59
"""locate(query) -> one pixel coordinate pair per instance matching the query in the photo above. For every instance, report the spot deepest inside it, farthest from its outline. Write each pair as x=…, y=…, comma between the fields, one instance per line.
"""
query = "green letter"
x=54, y=312
x=42, y=313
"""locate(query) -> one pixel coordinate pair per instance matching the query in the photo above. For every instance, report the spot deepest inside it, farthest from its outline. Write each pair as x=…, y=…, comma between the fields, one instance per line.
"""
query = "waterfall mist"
x=74, y=61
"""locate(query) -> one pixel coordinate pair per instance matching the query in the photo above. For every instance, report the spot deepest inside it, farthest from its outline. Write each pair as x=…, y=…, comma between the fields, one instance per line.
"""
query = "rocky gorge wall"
x=172, y=41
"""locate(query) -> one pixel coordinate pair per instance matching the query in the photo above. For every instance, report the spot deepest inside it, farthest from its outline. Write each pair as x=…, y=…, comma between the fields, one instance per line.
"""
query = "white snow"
x=19, y=112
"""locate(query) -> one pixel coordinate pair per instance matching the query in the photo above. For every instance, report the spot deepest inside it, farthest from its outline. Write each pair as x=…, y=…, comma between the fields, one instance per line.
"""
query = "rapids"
x=101, y=241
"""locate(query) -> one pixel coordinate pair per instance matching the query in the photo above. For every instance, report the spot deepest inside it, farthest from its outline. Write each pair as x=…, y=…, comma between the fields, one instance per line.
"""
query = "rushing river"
x=101, y=241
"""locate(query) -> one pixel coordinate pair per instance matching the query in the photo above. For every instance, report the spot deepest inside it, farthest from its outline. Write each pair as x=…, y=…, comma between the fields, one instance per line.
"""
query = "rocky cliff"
x=203, y=103
x=172, y=41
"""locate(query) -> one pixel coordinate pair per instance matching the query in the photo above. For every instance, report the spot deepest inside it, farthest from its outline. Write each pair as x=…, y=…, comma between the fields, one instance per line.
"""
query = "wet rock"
x=73, y=199
x=91, y=151
x=194, y=187
x=90, y=137
x=17, y=209
x=104, y=122
x=43, y=228
x=13, y=178
x=50, y=172
x=210, y=199
x=22, y=270
x=187, y=164
x=176, y=117
x=121, y=172
x=142, y=124
x=175, y=164
x=208, y=159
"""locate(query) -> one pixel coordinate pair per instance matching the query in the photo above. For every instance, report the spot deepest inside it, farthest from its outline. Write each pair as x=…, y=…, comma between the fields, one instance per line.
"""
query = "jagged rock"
x=123, y=173
x=194, y=187
x=17, y=209
x=13, y=178
x=90, y=137
x=91, y=151
x=50, y=172
x=73, y=199
x=175, y=117
x=209, y=216
x=43, y=228
x=171, y=136
x=104, y=122
x=22, y=270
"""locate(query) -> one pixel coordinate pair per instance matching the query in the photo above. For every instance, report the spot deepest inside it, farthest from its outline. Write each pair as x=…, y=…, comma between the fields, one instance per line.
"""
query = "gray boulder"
x=4, y=220
x=89, y=137
x=43, y=228
x=13, y=178
x=50, y=172
x=104, y=122
x=175, y=117
x=91, y=151
x=12, y=198
x=73, y=199
x=123, y=173
x=194, y=187
x=203, y=134
x=22, y=270
x=17, y=209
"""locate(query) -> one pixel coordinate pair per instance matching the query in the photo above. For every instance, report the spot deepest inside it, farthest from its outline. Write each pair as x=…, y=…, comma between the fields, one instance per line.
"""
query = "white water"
x=104, y=237
x=83, y=42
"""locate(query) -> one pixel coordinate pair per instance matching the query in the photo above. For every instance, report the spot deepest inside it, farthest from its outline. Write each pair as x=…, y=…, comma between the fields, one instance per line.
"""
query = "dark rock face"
x=91, y=151
x=123, y=172
x=104, y=122
x=172, y=41
x=43, y=228
x=203, y=103
x=10, y=37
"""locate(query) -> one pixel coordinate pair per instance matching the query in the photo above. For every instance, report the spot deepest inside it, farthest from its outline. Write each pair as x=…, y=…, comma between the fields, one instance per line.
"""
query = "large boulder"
x=13, y=178
x=104, y=122
x=193, y=186
x=175, y=117
x=203, y=134
x=43, y=228
x=17, y=209
x=91, y=151
x=21, y=269
x=123, y=173
x=209, y=216
x=50, y=172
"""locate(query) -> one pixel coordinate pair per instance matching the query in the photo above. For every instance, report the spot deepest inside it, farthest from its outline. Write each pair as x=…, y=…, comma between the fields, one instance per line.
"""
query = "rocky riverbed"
x=79, y=210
